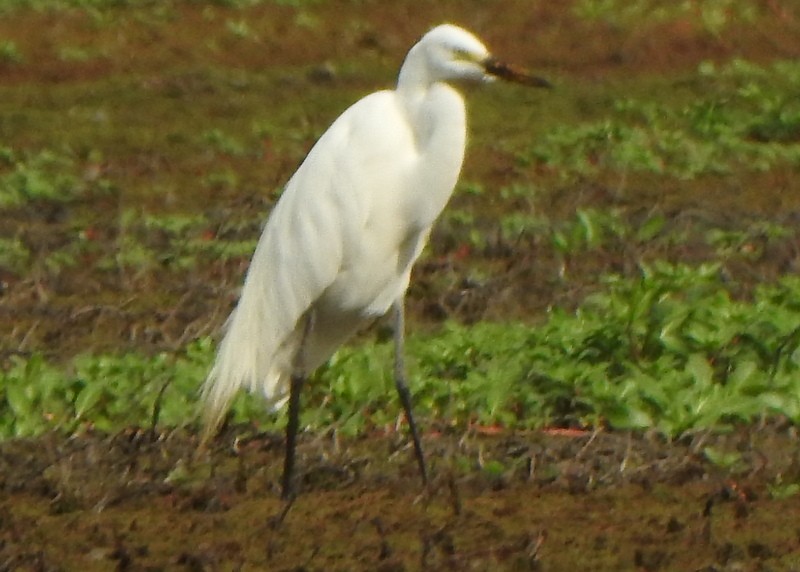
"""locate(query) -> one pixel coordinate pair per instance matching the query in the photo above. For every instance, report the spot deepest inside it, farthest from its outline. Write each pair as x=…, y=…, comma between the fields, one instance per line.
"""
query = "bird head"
x=450, y=53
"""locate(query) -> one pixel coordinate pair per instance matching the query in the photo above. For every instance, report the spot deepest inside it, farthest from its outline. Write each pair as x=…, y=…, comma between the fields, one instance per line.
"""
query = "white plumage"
x=341, y=242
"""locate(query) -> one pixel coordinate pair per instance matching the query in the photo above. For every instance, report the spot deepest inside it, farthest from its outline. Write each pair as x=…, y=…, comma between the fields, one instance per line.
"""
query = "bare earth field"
x=128, y=87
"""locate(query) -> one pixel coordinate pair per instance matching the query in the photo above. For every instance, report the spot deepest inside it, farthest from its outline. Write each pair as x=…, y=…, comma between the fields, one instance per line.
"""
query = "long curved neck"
x=416, y=93
x=437, y=116
x=414, y=75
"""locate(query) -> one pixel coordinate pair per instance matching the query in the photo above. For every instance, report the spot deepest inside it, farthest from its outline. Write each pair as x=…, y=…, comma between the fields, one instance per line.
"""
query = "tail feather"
x=244, y=361
x=264, y=332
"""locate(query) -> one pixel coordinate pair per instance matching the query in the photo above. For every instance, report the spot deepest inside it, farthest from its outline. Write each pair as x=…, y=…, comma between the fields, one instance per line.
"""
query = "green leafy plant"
x=223, y=143
x=9, y=53
x=743, y=119
x=670, y=351
x=13, y=254
x=712, y=16
x=46, y=175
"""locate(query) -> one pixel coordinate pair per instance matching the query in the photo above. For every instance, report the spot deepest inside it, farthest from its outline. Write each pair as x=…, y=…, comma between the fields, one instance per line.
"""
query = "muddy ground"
x=548, y=500
x=529, y=501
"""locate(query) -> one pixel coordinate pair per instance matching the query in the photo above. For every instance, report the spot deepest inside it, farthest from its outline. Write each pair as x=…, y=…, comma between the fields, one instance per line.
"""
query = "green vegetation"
x=669, y=322
x=670, y=350
x=9, y=53
x=42, y=176
x=605, y=321
x=713, y=15
x=743, y=119
x=13, y=254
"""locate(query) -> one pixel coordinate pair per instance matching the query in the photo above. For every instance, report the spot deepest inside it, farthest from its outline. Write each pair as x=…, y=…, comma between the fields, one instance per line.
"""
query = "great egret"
x=338, y=248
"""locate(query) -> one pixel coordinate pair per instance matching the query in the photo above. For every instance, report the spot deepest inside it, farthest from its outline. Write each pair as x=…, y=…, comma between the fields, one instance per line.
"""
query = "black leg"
x=293, y=422
x=402, y=388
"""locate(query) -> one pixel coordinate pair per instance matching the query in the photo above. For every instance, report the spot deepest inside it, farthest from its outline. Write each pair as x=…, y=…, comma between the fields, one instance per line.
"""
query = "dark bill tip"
x=511, y=73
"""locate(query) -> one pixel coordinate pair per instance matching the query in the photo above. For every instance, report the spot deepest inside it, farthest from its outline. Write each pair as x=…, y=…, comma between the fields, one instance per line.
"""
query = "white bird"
x=338, y=248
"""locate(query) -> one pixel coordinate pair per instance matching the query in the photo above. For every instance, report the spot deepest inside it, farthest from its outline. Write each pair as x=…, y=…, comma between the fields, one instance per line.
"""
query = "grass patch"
x=199, y=133
x=742, y=117
x=670, y=351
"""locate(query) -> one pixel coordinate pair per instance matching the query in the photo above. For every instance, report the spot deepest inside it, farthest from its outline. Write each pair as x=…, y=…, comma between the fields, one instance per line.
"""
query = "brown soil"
x=532, y=501
x=528, y=501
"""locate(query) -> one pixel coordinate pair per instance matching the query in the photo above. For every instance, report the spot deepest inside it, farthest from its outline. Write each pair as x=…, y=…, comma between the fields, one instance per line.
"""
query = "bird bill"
x=514, y=74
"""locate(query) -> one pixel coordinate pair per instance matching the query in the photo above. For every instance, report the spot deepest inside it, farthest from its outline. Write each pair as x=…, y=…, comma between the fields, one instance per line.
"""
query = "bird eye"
x=462, y=54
